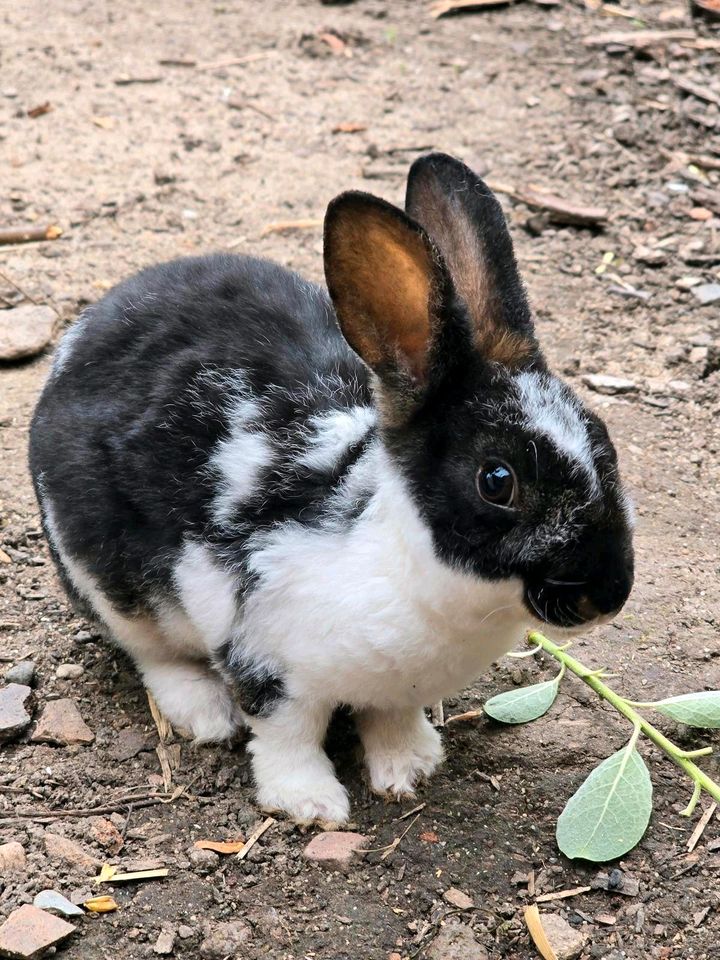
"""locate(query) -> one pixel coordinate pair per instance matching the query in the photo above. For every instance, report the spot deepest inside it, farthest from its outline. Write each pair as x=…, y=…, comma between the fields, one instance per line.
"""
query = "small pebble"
x=204, y=861
x=69, y=671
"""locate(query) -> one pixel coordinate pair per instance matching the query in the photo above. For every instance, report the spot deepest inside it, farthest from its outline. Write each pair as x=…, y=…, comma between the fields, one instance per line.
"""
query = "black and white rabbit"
x=279, y=500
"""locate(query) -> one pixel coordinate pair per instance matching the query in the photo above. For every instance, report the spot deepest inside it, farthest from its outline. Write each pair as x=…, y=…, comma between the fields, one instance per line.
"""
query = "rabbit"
x=280, y=499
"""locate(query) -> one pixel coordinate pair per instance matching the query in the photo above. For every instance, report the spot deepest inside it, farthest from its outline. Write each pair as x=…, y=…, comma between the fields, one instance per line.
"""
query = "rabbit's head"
x=515, y=477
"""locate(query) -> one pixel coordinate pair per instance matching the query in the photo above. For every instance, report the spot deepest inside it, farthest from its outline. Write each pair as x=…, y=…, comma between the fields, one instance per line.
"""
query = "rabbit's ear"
x=387, y=283
x=465, y=220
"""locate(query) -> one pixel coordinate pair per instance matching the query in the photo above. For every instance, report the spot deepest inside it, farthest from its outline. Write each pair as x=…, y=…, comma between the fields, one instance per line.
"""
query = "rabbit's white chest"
x=370, y=616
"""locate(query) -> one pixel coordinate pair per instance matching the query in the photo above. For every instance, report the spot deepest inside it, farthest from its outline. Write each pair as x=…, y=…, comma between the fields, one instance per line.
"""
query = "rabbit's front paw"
x=193, y=699
x=306, y=796
x=401, y=748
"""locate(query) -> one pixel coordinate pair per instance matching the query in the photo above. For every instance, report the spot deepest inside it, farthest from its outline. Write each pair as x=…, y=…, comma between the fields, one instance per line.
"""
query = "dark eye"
x=496, y=483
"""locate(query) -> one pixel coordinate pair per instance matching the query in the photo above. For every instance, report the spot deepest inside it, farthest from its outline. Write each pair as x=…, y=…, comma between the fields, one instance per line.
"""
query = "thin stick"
x=254, y=837
x=31, y=234
x=700, y=828
x=235, y=61
x=590, y=677
x=561, y=894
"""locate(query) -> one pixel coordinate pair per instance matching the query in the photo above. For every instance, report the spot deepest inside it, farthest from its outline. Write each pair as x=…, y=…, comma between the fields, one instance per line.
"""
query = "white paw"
x=193, y=699
x=397, y=768
x=306, y=796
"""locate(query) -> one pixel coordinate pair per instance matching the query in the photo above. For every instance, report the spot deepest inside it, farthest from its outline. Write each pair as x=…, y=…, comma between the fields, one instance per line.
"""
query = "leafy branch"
x=609, y=813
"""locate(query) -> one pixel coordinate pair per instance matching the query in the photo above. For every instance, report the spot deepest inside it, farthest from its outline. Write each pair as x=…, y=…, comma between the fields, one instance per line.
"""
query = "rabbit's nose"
x=606, y=597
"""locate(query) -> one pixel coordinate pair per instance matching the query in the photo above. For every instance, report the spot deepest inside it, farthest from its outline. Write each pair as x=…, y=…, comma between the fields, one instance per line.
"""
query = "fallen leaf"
x=220, y=846
x=137, y=875
x=428, y=836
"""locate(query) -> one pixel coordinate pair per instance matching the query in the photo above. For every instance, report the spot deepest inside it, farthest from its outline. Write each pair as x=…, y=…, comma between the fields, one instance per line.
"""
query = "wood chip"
x=349, y=128
x=220, y=846
x=254, y=837
x=606, y=919
x=109, y=876
x=536, y=931
x=561, y=894
x=290, y=226
x=700, y=828
x=447, y=8
x=638, y=39
x=336, y=43
x=468, y=715
x=40, y=110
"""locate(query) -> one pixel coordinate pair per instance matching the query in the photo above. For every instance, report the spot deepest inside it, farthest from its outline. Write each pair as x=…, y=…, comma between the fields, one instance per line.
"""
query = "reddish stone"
x=62, y=724
x=60, y=848
x=28, y=931
x=106, y=834
x=12, y=858
x=335, y=849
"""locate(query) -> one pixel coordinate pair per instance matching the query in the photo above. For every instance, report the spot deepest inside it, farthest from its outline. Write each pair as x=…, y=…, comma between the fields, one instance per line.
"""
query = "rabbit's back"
x=177, y=401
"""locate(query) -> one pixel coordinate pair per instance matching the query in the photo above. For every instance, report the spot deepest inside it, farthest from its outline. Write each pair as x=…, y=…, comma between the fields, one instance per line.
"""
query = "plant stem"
x=678, y=756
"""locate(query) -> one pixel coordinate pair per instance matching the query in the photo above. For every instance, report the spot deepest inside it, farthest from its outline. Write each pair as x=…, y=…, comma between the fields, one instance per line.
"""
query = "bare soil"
x=206, y=156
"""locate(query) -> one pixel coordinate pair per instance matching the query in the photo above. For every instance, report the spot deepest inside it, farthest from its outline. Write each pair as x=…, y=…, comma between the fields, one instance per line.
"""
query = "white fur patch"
x=333, y=433
x=550, y=410
x=239, y=461
x=188, y=694
x=207, y=594
x=367, y=615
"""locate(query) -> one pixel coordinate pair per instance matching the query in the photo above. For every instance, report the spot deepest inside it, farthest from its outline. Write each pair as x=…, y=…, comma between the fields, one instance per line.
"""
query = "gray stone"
x=128, y=743
x=14, y=715
x=165, y=943
x=604, y=383
x=224, y=939
x=707, y=292
x=566, y=941
x=204, y=861
x=57, y=903
x=455, y=941
x=25, y=331
x=22, y=673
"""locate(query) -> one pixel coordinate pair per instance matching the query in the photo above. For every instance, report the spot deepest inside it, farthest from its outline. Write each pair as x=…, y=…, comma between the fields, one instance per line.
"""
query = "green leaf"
x=524, y=704
x=696, y=709
x=609, y=813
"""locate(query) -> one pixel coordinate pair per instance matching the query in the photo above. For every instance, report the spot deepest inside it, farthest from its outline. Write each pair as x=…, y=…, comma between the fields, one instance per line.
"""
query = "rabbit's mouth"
x=565, y=605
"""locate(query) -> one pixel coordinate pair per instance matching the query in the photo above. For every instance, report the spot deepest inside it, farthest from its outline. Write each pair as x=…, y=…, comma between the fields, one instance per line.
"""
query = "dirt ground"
x=205, y=155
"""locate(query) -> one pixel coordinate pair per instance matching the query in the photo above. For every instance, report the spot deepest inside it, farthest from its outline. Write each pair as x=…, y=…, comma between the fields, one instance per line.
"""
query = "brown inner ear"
x=457, y=240
x=381, y=280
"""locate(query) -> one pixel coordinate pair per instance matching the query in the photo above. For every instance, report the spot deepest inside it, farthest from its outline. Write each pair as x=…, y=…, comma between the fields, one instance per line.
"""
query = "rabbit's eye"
x=496, y=483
